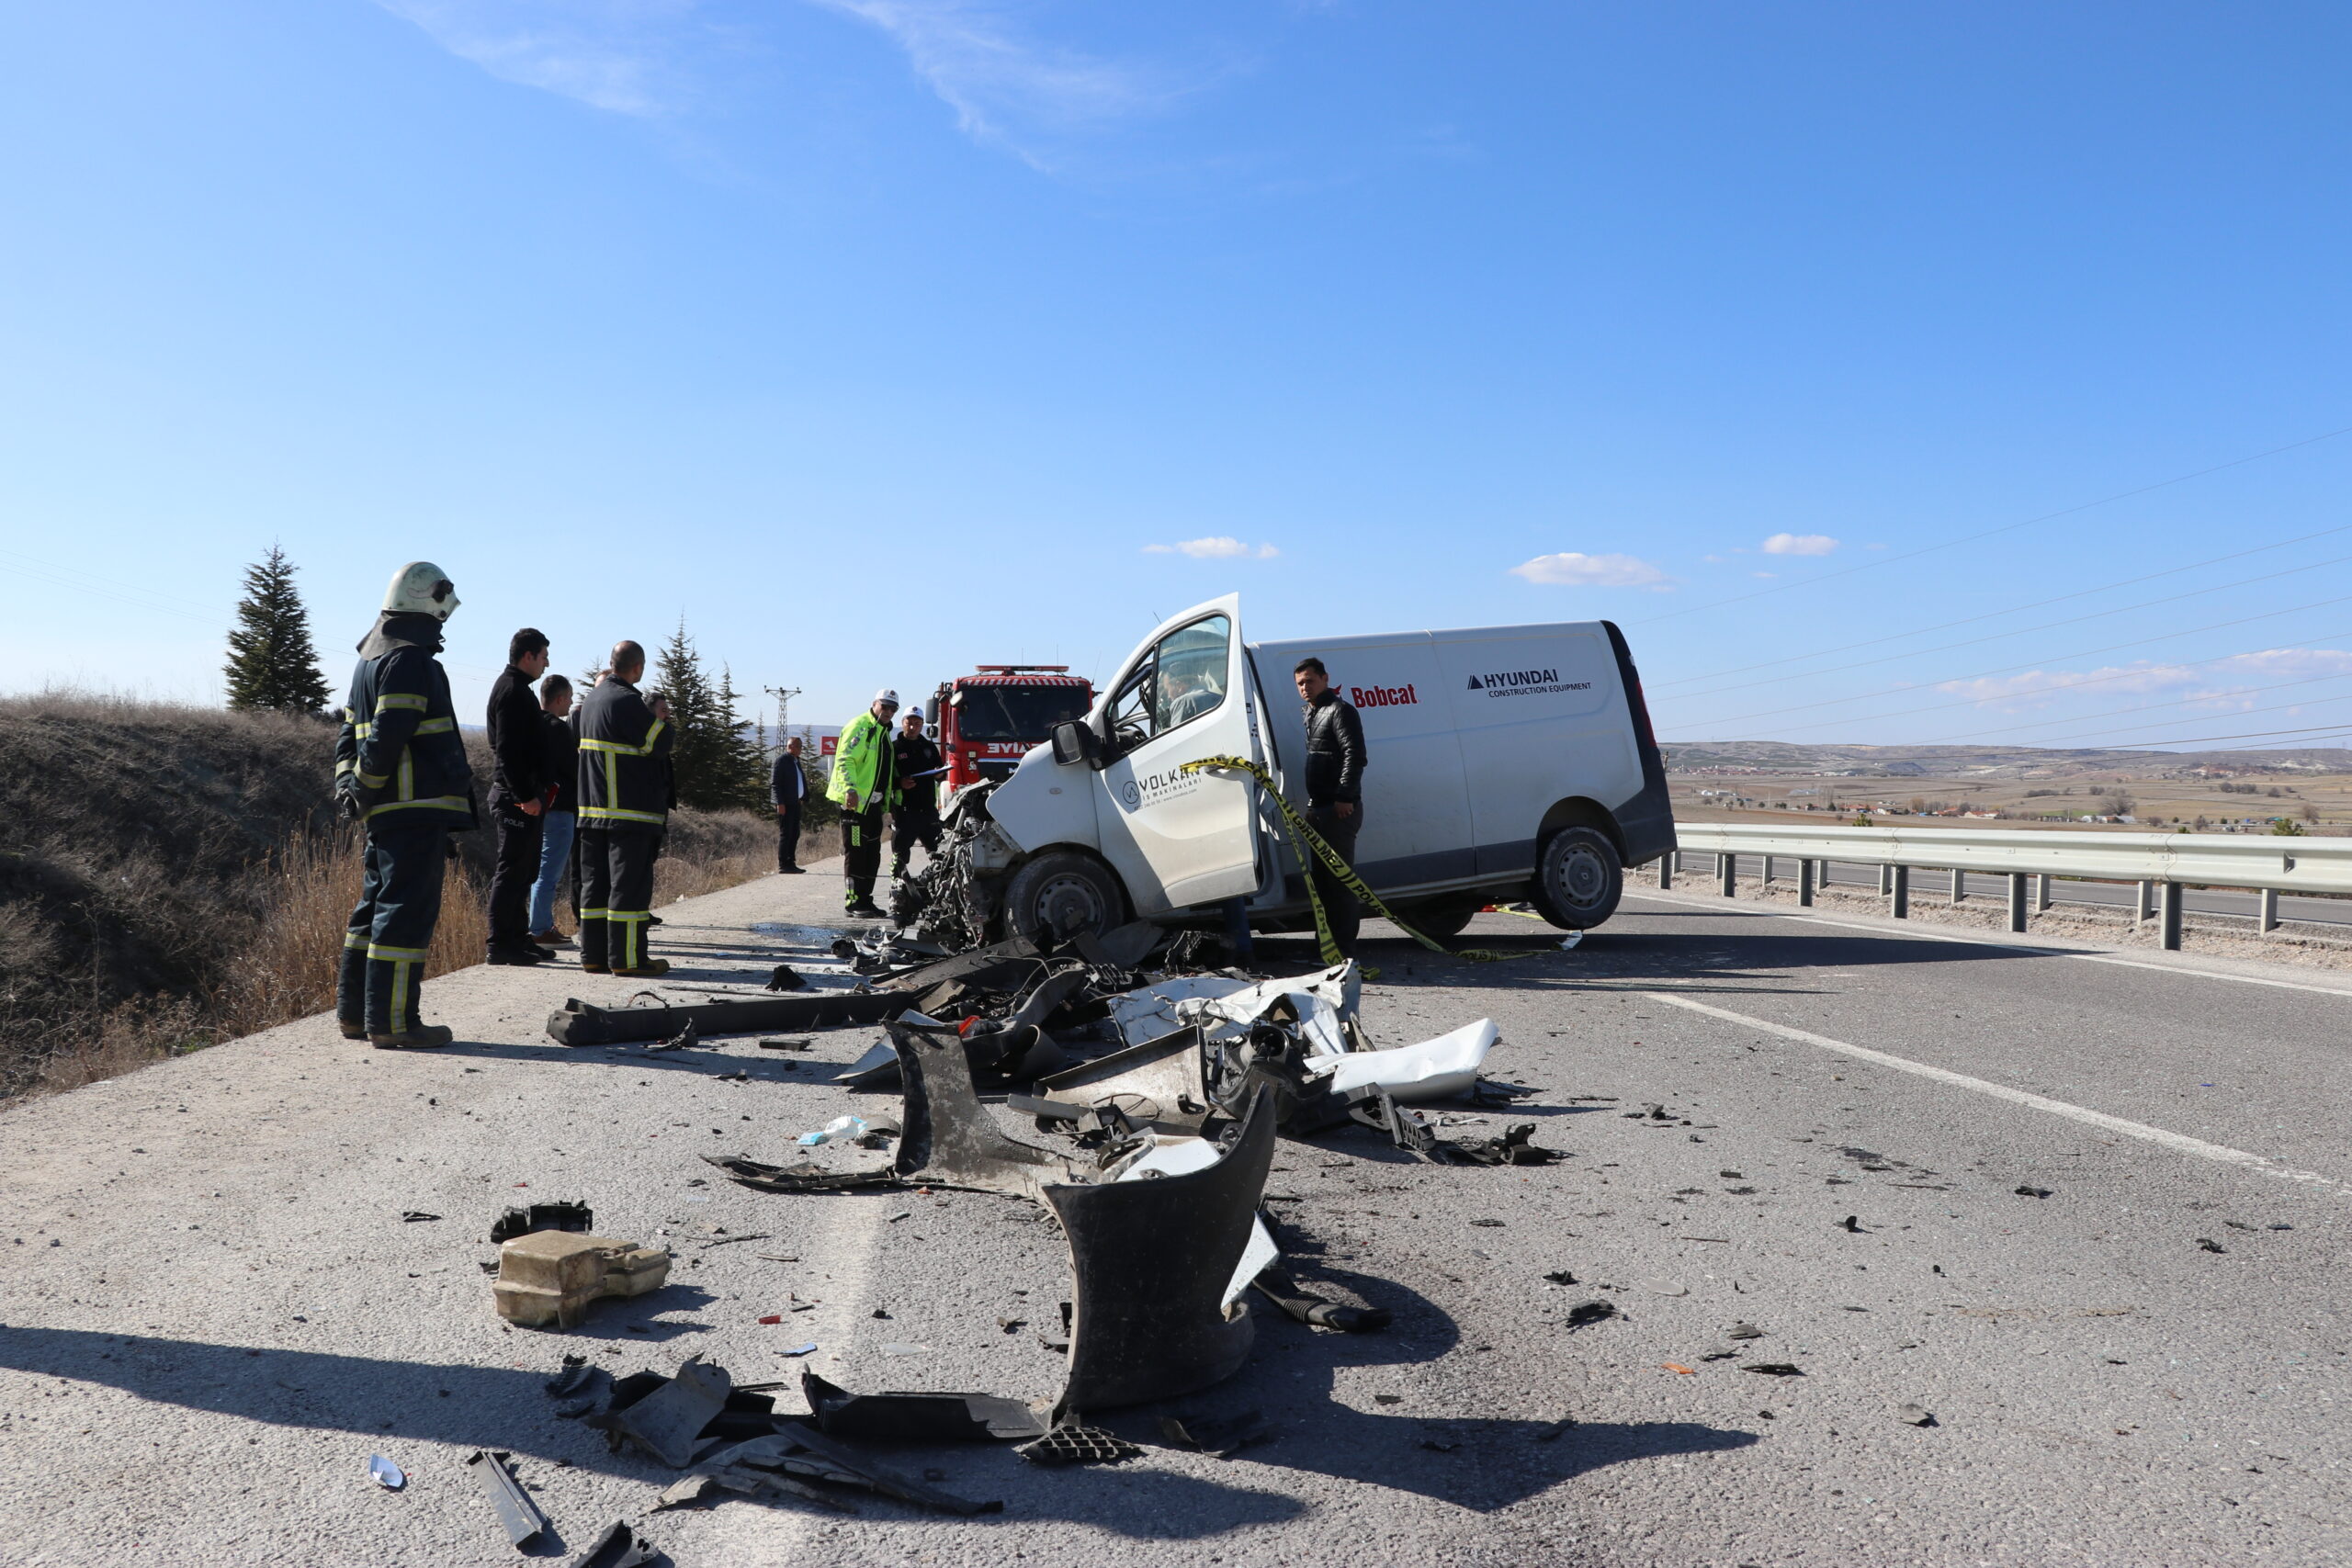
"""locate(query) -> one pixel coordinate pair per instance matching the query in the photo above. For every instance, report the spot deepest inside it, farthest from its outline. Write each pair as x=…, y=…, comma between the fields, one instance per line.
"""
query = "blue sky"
x=879, y=338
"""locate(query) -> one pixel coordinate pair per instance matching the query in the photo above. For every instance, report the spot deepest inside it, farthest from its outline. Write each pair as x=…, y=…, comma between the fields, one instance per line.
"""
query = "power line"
x=1994, y=615
x=2005, y=528
x=2020, y=631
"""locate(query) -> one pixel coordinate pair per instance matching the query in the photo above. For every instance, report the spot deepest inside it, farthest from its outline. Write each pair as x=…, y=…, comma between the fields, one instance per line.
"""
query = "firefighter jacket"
x=624, y=760
x=397, y=756
x=863, y=762
x=915, y=760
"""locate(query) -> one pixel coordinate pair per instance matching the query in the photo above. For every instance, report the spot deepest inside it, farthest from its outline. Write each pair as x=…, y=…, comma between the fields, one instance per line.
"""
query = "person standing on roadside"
x=916, y=817
x=518, y=793
x=863, y=785
x=787, y=791
x=561, y=818
x=624, y=808
x=399, y=770
x=1334, y=763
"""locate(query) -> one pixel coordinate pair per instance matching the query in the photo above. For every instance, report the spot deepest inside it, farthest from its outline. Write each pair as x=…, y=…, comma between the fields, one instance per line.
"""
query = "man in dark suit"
x=517, y=797
x=787, y=791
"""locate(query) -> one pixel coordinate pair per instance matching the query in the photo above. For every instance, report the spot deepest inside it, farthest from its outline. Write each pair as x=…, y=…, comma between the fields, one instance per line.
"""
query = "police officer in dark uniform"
x=624, y=809
x=915, y=819
x=401, y=770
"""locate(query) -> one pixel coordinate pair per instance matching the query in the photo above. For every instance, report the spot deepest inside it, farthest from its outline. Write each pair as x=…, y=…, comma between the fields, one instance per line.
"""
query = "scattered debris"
x=1561, y=1277
x=918, y=1418
x=1852, y=1223
x=661, y=1417
x=2209, y=1244
x=839, y=1127
x=2029, y=1191
x=517, y=1513
x=617, y=1547
x=1678, y=1367
x=388, y=1475
x=786, y=978
x=1585, y=1314
x=1555, y=1431
x=686, y=1036
x=1079, y=1445
x=1915, y=1415
x=1743, y=1331
x=416, y=1216
x=794, y=1042
x=1774, y=1369
x=554, y=1276
x=731, y=1240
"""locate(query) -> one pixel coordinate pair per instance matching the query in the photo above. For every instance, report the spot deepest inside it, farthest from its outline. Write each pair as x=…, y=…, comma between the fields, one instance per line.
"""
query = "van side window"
x=1192, y=664
x=1131, y=706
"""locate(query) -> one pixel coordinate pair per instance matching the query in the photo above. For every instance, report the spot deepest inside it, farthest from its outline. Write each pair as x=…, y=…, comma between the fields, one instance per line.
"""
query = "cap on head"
x=886, y=696
x=420, y=588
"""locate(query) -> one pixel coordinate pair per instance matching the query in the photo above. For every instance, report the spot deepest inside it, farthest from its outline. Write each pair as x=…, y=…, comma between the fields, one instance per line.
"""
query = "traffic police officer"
x=401, y=770
x=865, y=784
x=624, y=808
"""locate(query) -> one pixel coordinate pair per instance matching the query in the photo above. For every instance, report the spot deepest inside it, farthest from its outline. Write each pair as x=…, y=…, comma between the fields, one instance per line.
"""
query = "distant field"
x=2214, y=791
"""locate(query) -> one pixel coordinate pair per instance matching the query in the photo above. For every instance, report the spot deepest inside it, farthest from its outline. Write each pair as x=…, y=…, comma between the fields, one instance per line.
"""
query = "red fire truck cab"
x=988, y=720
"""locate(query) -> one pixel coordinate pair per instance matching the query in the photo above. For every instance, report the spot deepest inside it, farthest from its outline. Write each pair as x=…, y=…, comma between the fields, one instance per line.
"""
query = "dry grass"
x=170, y=878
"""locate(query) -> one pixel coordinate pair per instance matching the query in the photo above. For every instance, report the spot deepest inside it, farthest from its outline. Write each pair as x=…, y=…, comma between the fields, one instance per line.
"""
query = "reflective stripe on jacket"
x=861, y=761
x=624, y=760
x=398, y=751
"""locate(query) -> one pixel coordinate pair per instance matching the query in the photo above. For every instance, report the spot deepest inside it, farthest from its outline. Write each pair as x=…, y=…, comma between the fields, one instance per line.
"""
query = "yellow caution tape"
x=1304, y=833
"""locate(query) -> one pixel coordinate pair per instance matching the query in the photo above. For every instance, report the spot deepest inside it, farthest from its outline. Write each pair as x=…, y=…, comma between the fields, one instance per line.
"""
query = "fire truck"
x=988, y=720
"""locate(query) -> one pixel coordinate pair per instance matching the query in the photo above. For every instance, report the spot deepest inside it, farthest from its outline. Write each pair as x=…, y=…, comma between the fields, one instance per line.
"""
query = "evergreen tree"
x=718, y=761
x=272, y=664
x=747, y=750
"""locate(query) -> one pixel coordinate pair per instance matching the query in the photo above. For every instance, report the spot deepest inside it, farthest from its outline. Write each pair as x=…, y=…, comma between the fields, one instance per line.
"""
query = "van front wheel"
x=1578, y=879
x=1061, y=894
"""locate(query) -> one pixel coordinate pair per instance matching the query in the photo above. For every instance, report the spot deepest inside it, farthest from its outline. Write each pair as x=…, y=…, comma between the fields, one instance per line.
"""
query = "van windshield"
x=1016, y=713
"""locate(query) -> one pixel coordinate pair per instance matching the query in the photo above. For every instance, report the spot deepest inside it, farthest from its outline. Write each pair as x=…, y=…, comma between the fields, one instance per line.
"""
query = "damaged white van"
x=1502, y=762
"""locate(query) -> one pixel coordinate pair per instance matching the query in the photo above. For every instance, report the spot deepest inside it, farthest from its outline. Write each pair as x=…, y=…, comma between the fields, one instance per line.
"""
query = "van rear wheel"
x=1578, y=879
x=1061, y=894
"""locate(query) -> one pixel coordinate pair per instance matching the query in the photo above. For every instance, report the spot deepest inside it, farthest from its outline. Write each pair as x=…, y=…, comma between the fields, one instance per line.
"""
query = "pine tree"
x=272, y=664
x=747, y=750
x=718, y=762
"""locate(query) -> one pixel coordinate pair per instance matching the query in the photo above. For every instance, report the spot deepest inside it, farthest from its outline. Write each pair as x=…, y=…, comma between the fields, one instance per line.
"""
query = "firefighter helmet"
x=420, y=588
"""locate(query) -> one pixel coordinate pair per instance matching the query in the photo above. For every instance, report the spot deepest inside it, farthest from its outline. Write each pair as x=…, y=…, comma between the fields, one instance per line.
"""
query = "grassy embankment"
x=172, y=877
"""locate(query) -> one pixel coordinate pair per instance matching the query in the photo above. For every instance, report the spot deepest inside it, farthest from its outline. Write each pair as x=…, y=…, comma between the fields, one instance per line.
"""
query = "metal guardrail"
x=2163, y=864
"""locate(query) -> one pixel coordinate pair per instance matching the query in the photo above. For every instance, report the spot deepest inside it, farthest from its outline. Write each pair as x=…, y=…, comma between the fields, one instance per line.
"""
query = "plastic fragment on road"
x=665, y=1423
x=517, y=1513
x=808, y=1349
x=1585, y=1314
x=1075, y=1444
x=1915, y=1415
x=1218, y=1437
x=919, y=1418
x=796, y=1450
x=839, y=1127
x=1305, y=1307
x=617, y=1547
x=1176, y=1156
x=1678, y=1367
x=574, y=1217
x=1774, y=1369
x=1743, y=1331
x=555, y=1276
x=388, y=1475
x=790, y=1043
x=1434, y=1069
x=416, y=1216
x=784, y=977
x=2031, y=1192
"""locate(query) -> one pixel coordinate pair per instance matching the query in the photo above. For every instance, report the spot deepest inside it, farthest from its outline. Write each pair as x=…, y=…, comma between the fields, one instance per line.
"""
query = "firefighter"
x=863, y=785
x=916, y=817
x=400, y=771
x=624, y=809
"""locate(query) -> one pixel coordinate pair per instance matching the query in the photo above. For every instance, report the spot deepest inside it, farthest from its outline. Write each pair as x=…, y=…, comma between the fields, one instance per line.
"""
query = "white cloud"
x=1799, y=544
x=1220, y=547
x=1574, y=568
x=611, y=54
x=1004, y=86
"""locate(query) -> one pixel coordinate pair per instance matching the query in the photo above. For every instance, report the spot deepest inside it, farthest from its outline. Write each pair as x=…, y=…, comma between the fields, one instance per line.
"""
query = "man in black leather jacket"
x=1334, y=763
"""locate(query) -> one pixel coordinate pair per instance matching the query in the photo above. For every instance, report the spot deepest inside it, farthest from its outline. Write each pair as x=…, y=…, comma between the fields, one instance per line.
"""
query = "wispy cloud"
x=2224, y=682
x=1799, y=544
x=613, y=55
x=1220, y=547
x=1575, y=570
x=1007, y=88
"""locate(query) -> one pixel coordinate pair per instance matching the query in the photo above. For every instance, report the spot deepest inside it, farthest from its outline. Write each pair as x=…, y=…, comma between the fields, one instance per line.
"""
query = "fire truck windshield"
x=1016, y=713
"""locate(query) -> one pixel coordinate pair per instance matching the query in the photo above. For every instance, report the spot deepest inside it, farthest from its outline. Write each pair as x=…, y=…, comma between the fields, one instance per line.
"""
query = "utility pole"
x=782, y=695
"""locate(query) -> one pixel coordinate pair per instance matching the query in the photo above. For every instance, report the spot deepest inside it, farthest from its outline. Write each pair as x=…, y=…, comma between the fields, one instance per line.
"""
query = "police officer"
x=1335, y=763
x=401, y=770
x=624, y=808
x=916, y=817
x=863, y=785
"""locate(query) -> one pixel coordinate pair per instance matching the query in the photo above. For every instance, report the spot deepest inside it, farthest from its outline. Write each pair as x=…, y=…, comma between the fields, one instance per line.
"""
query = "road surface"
x=214, y=1312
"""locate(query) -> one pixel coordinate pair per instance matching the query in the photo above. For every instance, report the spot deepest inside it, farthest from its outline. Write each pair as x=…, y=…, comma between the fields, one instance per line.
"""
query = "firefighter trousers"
x=384, y=944
x=615, y=895
x=860, y=853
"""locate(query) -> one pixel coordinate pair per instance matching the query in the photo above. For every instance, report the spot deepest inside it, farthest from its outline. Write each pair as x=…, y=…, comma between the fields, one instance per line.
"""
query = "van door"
x=1179, y=838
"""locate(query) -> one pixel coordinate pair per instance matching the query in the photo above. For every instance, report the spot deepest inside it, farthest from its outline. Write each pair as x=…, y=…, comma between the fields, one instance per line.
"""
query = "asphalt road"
x=214, y=1313
x=1928, y=882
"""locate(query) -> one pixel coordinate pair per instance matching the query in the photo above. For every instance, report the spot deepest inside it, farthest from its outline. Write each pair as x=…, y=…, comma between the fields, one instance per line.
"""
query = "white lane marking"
x=1945, y=933
x=2178, y=1141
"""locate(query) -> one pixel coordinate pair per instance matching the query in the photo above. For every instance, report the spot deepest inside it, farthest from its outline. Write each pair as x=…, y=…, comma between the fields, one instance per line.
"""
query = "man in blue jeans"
x=562, y=814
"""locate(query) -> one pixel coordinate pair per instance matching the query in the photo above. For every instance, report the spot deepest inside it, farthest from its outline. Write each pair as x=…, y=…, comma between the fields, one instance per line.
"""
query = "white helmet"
x=423, y=589
x=886, y=696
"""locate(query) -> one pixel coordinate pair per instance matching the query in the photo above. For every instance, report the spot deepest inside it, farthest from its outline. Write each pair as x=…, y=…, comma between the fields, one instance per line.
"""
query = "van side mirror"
x=1073, y=743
